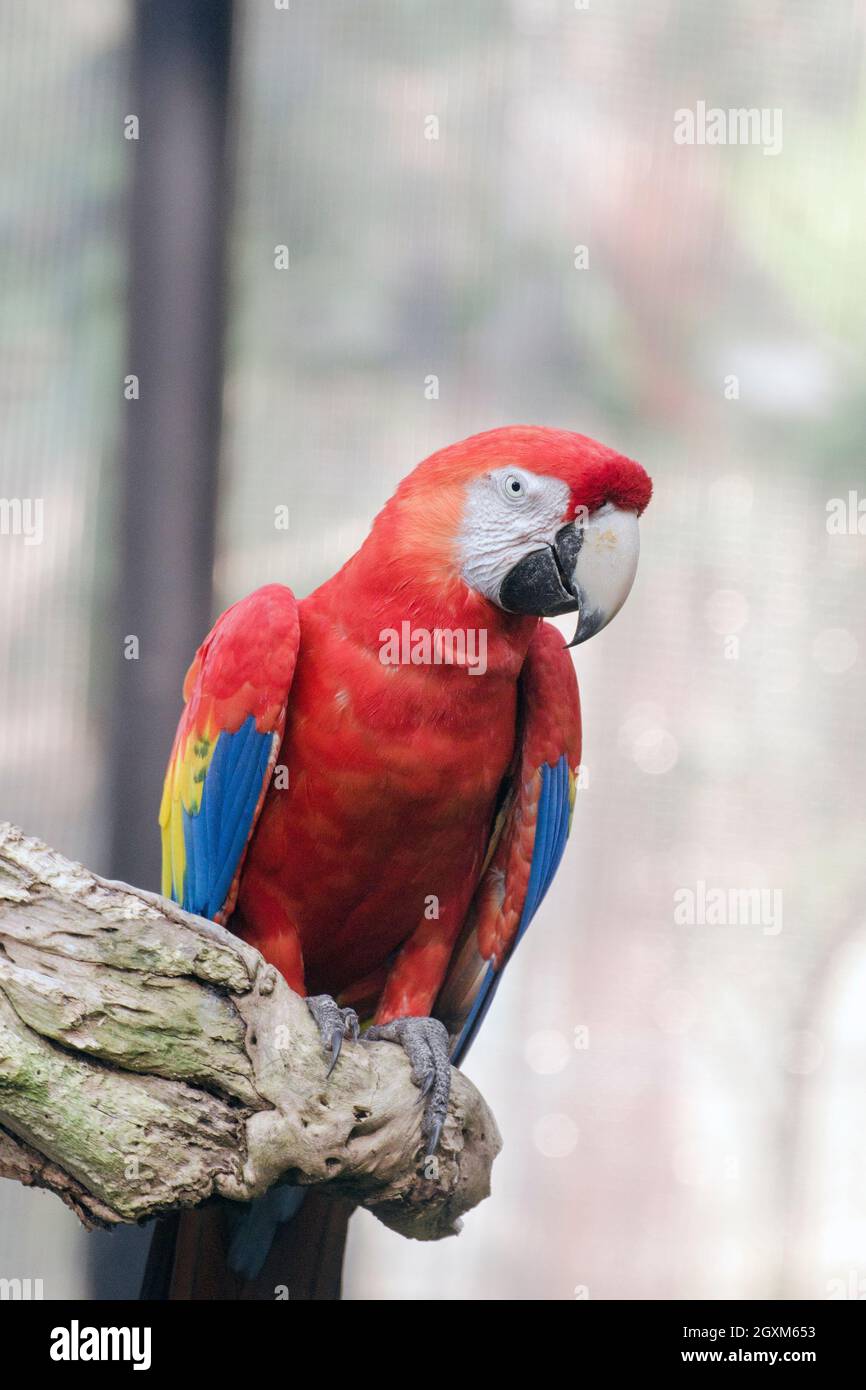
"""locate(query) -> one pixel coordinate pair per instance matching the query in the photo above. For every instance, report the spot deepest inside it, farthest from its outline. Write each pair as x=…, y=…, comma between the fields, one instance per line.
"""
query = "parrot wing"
x=225, y=749
x=528, y=838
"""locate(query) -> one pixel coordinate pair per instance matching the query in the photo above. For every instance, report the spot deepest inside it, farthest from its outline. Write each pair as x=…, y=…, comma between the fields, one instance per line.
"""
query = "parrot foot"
x=334, y=1024
x=425, y=1042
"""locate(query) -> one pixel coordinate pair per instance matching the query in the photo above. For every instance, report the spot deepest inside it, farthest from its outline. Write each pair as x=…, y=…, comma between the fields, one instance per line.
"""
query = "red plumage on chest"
x=384, y=809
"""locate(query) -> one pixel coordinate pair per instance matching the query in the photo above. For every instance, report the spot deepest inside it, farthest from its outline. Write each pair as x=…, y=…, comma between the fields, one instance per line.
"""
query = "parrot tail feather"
x=255, y=1225
x=298, y=1256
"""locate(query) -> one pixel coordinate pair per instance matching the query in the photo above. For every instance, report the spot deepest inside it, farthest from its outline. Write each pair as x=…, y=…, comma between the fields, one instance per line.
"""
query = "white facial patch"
x=508, y=513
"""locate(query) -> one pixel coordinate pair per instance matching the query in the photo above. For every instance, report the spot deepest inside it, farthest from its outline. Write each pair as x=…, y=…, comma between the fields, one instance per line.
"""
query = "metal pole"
x=168, y=480
x=175, y=349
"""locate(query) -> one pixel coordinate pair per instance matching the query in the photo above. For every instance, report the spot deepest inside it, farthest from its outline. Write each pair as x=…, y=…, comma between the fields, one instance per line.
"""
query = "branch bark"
x=151, y=1060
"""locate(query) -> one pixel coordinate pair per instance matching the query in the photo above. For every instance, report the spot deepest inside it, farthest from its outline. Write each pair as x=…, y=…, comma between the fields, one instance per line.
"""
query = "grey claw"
x=336, y=1048
x=334, y=1024
x=425, y=1042
x=435, y=1136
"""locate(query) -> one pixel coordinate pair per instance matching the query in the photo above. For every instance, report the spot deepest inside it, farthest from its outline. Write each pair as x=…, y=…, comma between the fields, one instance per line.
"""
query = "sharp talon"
x=425, y=1042
x=336, y=1048
x=334, y=1024
x=433, y=1142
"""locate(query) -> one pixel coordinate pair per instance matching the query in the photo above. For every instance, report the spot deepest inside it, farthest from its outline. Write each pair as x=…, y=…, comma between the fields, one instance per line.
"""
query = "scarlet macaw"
x=380, y=809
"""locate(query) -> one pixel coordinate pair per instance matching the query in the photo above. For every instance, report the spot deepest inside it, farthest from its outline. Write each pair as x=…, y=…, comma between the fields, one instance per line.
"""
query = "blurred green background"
x=682, y=1107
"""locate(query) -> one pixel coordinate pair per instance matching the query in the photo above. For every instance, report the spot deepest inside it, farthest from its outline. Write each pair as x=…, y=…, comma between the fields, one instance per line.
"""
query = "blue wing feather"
x=248, y=796
x=211, y=806
x=551, y=833
x=216, y=833
x=199, y=852
x=559, y=826
x=241, y=781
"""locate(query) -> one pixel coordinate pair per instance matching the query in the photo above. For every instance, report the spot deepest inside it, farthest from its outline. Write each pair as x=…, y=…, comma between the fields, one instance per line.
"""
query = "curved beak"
x=604, y=569
x=590, y=566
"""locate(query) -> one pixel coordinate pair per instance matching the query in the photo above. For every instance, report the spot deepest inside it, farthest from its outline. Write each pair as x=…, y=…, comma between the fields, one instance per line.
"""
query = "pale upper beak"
x=605, y=569
x=590, y=566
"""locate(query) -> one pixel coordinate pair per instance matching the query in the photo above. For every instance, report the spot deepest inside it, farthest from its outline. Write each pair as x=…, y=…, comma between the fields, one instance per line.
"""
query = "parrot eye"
x=513, y=487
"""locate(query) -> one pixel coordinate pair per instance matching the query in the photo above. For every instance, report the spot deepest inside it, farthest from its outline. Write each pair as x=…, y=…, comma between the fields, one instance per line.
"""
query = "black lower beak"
x=541, y=583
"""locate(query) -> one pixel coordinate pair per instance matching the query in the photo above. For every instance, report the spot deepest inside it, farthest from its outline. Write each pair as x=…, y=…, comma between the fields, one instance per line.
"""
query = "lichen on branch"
x=150, y=1060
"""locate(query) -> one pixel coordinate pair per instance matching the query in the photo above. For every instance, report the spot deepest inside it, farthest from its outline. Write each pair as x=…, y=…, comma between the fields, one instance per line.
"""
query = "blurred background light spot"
x=655, y=751
x=555, y=1136
x=783, y=377
x=835, y=650
x=638, y=720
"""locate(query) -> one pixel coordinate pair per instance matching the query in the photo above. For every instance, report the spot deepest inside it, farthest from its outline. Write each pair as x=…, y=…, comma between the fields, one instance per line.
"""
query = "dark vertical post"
x=167, y=504
x=169, y=479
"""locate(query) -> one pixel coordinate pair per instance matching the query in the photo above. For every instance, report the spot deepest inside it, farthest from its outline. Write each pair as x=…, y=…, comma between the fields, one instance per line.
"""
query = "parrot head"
x=537, y=521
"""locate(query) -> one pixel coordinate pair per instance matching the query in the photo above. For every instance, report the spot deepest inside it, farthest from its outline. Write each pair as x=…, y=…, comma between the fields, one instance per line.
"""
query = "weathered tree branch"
x=150, y=1060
